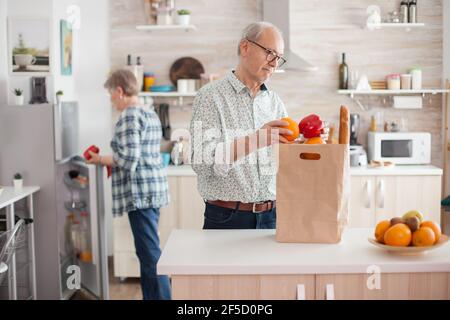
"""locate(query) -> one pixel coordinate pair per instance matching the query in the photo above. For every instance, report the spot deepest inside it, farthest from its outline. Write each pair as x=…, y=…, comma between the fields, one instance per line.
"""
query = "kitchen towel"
x=313, y=184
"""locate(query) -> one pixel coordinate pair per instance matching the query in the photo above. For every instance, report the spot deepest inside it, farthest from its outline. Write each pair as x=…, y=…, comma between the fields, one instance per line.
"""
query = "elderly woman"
x=139, y=183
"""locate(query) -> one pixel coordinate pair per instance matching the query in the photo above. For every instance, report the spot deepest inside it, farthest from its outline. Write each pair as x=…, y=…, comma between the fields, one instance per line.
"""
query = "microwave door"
x=397, y=149
x=66, y=130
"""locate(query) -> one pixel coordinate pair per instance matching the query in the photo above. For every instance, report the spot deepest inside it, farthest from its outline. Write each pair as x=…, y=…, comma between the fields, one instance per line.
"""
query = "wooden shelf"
x=150, y=27
x=407, y=26
x=172, y=94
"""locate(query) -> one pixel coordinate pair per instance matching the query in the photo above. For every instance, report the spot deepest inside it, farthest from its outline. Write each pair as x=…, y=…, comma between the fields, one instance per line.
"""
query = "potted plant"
x=18, y=97
x=59, y=95
x=183, y=17
x=18, y=181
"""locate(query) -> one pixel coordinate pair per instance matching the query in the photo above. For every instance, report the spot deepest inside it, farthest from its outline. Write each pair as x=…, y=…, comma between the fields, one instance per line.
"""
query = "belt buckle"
x=254, y=206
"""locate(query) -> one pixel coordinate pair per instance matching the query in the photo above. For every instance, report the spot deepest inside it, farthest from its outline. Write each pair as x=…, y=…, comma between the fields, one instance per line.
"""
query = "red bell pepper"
x=96, y=149
x=311, y=126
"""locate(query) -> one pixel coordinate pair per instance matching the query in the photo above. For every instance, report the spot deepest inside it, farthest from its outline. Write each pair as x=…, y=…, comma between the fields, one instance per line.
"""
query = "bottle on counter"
x=404, y=11
x=373, y=124
x=129, y=60
x=343, y=74
x=412, y=11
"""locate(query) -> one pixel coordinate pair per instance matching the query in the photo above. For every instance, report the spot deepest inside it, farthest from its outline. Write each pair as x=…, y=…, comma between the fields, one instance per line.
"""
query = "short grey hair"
x=125, y=79
x=254, y=30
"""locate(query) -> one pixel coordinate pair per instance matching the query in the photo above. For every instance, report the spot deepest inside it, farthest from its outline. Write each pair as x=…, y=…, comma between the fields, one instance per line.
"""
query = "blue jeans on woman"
x=224, y=218
x=144, y=224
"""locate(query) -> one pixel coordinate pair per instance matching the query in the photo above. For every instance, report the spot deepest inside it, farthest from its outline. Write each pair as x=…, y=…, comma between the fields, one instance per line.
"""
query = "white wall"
x=90, y=67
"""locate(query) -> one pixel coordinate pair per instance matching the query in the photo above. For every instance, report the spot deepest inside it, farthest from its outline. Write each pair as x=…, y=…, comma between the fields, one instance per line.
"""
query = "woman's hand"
x=95, y=158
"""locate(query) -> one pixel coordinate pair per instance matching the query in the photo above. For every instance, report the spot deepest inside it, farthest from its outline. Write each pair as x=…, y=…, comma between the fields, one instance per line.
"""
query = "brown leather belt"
x=256, y=207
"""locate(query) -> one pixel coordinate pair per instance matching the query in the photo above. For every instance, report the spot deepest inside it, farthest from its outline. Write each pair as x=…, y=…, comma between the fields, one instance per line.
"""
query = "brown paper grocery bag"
x=312, y=192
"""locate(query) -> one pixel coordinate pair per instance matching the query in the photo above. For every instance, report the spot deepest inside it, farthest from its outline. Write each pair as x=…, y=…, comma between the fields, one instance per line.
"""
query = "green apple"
x=413, y=213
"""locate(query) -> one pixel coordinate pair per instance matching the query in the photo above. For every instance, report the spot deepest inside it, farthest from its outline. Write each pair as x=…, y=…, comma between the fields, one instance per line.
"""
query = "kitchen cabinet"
x=375, y=198
x=244, y=287
x=393, y=286
x=262, y=268
x=185, y=211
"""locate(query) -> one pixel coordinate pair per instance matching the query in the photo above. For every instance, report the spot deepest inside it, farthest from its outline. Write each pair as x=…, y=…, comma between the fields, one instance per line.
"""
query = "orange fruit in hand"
x=293, y=126
x=423, y=237
x=315, y=140
x=398, y=235
x=435, y=227
x=381, y=229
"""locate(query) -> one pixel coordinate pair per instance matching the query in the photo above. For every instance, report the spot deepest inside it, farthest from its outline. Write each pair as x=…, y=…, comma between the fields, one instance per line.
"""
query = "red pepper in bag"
x=306, y=121
x=96, y=149
x=311, y=126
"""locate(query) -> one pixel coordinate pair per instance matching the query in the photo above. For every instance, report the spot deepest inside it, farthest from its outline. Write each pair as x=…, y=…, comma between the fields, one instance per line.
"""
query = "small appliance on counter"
x=400, y=147
x=358, y=156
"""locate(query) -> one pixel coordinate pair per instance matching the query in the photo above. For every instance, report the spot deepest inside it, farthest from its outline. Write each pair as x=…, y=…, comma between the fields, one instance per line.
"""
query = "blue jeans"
x=223, y=218
x=144, y=224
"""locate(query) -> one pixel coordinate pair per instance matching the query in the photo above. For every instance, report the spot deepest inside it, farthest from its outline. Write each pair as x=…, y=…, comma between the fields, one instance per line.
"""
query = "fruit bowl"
x=409, y=251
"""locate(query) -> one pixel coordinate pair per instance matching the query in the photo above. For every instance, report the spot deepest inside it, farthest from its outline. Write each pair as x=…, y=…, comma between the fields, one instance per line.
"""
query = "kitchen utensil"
x=409, y=251
x=177, y=152
x=162, y=111
x=354, y=128
x=358, y=156
x=186, y=68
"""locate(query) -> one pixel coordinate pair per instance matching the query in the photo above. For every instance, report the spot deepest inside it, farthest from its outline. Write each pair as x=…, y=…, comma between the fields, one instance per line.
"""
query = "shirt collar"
x=239, y=86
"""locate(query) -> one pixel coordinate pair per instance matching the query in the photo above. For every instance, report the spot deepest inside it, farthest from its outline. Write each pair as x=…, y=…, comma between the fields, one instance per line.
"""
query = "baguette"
x=344, y=128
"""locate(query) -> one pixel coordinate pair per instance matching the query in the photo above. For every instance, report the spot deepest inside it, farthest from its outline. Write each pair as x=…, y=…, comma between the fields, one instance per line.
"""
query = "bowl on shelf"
x=163, y=88
x=409, y=251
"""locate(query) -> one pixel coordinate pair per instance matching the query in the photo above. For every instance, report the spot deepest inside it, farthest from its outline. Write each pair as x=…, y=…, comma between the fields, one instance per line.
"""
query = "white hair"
x=254, y=30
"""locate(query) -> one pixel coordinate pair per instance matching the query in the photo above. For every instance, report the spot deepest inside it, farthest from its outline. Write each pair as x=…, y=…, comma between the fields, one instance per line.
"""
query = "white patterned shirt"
x=223, y=111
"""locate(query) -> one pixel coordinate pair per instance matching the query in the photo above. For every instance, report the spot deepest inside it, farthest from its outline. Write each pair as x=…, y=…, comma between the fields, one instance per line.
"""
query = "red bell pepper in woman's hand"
x=96, y=149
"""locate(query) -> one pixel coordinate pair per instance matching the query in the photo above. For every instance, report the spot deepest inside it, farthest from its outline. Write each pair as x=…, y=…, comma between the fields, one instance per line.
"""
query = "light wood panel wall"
x=321, y=30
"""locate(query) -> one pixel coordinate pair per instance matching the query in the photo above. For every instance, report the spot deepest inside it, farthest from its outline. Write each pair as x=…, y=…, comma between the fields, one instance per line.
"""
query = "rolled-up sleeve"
x=127, y=148
x=210, y=148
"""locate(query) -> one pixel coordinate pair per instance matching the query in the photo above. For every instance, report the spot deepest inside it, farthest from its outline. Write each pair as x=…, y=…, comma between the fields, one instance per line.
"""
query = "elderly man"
x=234, y=125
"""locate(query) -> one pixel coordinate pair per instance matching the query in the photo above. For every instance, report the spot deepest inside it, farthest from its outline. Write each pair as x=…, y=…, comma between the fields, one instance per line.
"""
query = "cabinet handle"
x=381, y=194
x=329, y=294
x=301, y=292
x=368, y=194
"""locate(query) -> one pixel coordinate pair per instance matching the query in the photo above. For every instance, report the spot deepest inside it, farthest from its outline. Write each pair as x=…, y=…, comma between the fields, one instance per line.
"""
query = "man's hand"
x=272, y=133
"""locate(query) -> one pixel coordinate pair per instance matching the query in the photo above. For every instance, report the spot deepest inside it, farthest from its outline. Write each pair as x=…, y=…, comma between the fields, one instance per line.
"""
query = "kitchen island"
x=250, y=264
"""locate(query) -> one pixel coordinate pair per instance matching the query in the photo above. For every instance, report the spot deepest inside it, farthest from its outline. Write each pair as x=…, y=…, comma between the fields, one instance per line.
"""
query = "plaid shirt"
x=139, y=180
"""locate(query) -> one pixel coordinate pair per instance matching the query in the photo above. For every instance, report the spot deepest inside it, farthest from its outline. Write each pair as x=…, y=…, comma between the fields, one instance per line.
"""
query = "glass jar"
x=149, y=80
x=393, y=81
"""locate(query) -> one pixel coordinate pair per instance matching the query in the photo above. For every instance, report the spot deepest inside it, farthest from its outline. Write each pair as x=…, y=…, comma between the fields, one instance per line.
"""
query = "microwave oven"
x=400, y=147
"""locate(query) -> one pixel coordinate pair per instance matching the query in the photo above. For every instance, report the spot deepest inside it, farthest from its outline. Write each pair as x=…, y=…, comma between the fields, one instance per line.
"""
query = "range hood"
x=277, y=12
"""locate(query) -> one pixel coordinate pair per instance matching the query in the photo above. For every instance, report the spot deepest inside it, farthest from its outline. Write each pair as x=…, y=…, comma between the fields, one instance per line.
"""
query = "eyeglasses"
x=271, y=55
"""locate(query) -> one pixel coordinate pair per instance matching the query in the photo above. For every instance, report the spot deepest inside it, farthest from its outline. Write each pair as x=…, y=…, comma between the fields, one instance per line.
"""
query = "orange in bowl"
x=423, y=237
x=398, y=235
x=381, y=229
x=433, y=226
x=293, y=126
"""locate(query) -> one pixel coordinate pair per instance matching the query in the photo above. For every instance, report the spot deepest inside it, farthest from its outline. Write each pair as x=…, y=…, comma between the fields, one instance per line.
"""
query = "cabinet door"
x=362, y=202
x=168, y=217
x=396, y=195
x=243, y=287
x=392, y=286
x=191, y=206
